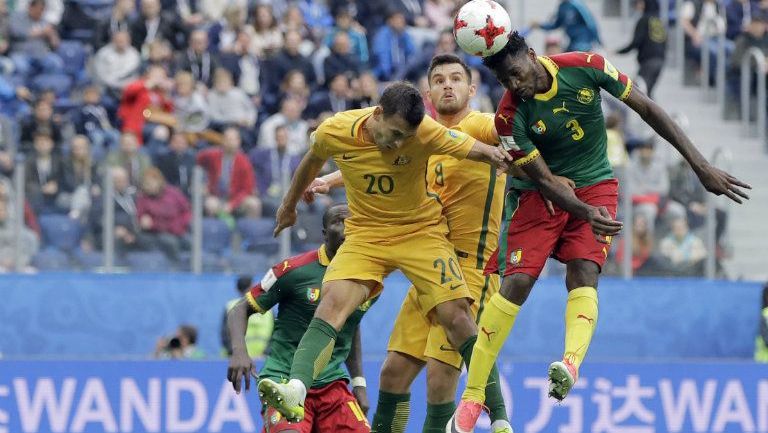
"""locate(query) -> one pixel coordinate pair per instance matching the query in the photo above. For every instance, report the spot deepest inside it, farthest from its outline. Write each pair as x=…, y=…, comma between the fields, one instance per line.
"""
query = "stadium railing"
x=746, y=100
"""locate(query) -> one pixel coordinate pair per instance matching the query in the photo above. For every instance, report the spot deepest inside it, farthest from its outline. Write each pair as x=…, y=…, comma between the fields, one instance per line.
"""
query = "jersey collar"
x=552, y=69
x=322, y=256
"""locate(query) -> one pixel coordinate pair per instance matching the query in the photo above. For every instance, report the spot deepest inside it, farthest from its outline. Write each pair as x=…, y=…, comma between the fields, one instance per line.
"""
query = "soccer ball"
x=481, y=27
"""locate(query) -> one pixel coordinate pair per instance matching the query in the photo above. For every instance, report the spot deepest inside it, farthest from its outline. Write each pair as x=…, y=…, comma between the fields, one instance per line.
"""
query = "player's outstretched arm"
x=493, y=155
x=240, y=364
x=562, y=195
x=354, y=363
x=716, y=181
x=307, y=170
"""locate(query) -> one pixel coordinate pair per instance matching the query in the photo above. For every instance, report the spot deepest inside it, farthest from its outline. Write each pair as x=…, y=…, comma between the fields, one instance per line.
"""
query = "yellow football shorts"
x=426, y=258
x=416, y=335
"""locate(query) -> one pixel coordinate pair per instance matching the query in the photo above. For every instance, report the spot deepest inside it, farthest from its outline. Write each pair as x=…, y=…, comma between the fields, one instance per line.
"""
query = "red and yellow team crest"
x=313, y=294
x=539, y=127
x=516, y=257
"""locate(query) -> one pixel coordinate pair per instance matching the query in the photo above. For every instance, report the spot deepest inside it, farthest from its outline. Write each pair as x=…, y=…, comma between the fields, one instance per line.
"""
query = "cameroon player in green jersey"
x=551, y=111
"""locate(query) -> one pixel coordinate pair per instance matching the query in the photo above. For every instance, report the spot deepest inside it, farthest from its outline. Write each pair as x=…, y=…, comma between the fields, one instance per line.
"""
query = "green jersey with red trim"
x=294, y=286
x=565, y=125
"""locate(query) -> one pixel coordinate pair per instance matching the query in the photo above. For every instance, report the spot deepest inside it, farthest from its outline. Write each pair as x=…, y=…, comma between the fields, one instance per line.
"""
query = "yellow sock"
x=580, y=322
x=496, y=322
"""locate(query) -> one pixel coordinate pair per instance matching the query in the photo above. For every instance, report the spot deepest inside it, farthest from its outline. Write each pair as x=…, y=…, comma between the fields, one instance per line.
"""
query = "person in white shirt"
x=290, y=116
x=117, y=63
x=230, y=105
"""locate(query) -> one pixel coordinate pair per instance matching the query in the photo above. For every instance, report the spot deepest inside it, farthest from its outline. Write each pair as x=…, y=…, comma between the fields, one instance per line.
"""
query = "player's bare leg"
x=495, y=324
x=339, y=300
x=393, y=408
x=580, y=321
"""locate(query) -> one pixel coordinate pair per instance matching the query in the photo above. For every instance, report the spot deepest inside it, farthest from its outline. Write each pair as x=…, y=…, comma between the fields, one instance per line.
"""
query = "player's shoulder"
x=507, y=109
x=343, y=123
x=578, y=59
x=477, y=118
x=289, y=265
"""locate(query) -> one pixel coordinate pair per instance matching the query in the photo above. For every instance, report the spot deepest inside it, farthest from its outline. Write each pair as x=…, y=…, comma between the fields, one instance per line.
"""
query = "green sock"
x=392, y=412
x=314, y=352
x=493, y=398
x=437, y=417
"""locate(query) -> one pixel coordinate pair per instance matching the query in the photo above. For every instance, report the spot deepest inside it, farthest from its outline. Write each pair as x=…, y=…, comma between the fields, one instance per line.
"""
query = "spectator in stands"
x=164, y=214
x=344, y=23
x=365, y=91
x=190, y=12
x=761, y=340
x=196, y=58
x=293, y=20
x=93, y=121
x=229, y=105
x=738, y=14
x=127, y=234
x=392, y=47
x=6, y=64
x=54, y=9
x=129, y=157
x=258, y=331
x=683, y=251
x=688, y=199
x=616, y=147
x=317, y=17
x=45, y=177
x=189, y=106
x=149, y=91
x=268, y=38
x=118, y=21
x=577, y=21
x=8, y=147
x=244, y=66
x=643, y=261
x=290, y=116
x=481, y=101
x=152, y=24
x=272, y=167
x=341, y=60
x=117, y=63
x=650, y=182
x=288, y=59
x=446, y=44
x=14, y=99
x=294, y=86
x=755, y=36
x=231, y=186
x=552, y=45
x=337, y=98
x=439, y=13
x=33, y=41
x=650, y=41
x=81, y=176
x=177, y=163
x=182, y=345
x=10, y=256
x=222, y=34
x=701, y=20
x=41, y=121
x=160, y=54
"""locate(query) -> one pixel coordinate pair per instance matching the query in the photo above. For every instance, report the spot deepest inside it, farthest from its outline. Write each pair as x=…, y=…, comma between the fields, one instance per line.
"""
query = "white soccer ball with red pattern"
x=481, y=27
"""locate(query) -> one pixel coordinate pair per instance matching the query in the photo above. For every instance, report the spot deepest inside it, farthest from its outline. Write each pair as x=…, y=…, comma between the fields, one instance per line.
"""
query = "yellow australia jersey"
x=386, y=191
x=471, y=193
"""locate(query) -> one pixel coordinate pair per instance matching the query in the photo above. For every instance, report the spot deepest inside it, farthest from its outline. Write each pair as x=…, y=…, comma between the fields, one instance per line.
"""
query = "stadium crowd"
x=145, y=90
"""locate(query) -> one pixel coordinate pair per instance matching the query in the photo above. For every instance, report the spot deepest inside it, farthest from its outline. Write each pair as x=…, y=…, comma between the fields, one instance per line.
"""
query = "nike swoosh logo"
x=345, y=157
x=455, y=286
x=447, y=349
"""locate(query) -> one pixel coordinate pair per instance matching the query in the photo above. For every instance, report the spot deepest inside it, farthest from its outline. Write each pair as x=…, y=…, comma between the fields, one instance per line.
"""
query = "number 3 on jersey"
x=575, y=128
x=379, y=184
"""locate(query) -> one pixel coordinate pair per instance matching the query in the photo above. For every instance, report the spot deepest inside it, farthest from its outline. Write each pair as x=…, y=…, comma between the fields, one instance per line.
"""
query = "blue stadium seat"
x=88, y=260
x=60, y=84
x=60, y=232
x=216, y=236
x=74, y=55
x=257, y=235
x=147, y=261
x=249, y=263
x=51, y=259
x=211, y=262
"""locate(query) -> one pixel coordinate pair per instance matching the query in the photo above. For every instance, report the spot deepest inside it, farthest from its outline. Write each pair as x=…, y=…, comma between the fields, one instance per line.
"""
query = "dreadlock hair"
x=516, y=45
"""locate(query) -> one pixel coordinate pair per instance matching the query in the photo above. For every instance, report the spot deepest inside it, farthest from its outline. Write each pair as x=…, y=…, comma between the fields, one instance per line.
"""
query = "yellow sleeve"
x=444, y=141
x=319, y=144
x=483, y=128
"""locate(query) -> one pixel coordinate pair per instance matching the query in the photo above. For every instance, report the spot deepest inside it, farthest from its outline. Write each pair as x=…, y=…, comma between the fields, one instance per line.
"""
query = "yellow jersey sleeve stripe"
x=627, y=90
x=527, y=159
x=252, y=302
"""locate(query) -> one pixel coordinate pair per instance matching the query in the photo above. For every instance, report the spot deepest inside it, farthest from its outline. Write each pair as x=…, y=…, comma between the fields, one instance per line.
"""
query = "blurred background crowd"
x=143, y=91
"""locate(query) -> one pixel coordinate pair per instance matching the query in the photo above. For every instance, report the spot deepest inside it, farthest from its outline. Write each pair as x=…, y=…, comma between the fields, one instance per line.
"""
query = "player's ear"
x=472, y=90
x=377, y=111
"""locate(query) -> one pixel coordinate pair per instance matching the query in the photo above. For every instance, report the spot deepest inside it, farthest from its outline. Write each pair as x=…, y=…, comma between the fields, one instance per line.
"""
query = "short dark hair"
x=244, y=283
x=190, y=332
x=448, y=59
x=329, y=212
x=515, y=45
x=403, y=99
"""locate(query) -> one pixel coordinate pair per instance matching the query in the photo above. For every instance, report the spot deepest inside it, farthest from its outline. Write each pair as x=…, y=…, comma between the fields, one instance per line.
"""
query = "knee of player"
x=516, y=287
x=442, y=383
x=581, y=273
x=454, y=314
